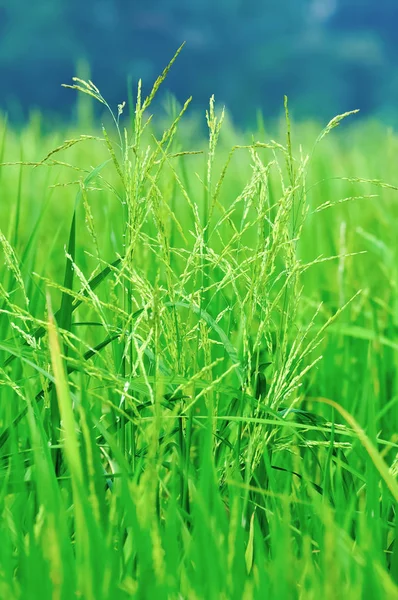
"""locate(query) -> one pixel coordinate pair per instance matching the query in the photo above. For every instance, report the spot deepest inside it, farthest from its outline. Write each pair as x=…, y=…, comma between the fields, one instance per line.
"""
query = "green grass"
x=198, y=340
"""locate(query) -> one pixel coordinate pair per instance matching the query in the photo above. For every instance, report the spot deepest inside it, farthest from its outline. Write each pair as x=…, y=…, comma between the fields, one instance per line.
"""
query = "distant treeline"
x=328, y=56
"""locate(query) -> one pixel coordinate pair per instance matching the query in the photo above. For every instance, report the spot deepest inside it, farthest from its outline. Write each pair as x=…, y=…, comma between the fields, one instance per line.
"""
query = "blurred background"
x=328, y=56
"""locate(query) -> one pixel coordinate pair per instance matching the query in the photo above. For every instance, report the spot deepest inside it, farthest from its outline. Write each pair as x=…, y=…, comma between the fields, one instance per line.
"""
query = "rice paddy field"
x=198, y=350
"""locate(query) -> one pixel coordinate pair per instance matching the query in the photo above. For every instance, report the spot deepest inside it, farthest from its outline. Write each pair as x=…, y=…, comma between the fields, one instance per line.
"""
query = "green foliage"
x=210, y=413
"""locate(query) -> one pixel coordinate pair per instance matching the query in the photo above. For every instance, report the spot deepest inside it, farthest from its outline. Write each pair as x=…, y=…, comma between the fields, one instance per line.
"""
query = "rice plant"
x=198, y=360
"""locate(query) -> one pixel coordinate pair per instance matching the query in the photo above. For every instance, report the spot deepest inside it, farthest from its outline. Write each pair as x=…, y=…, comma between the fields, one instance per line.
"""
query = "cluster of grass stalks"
x=198, y=357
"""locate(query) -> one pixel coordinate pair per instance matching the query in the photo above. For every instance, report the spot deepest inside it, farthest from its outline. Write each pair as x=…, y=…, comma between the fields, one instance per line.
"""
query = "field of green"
x=199, y=351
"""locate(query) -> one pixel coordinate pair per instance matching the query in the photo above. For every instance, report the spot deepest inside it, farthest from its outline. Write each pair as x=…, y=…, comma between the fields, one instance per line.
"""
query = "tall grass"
x=199, y=350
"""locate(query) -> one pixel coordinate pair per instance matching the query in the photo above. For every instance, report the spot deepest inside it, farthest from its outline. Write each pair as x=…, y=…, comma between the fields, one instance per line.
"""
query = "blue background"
x=328, y=56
